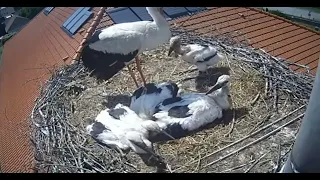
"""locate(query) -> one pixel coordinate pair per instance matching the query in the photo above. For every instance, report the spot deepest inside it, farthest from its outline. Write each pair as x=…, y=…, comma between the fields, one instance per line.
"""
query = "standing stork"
x=111, y=49
x=202, y=56
x=120, y=128
x=145, y=99
x=181, y=115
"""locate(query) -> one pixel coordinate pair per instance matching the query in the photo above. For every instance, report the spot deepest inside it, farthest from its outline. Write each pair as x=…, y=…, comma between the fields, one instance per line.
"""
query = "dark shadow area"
x=225, y=120
x=228, y=115
x=210, y=78
x=112, y=101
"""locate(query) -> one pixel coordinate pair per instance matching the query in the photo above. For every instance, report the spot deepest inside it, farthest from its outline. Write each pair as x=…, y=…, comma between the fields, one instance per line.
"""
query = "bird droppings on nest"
x=251, y=138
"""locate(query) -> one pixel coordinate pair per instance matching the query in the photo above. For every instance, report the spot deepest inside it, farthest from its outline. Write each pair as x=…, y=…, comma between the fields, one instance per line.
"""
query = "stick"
x=240, y=140
x=237, y=167
x=255, y=99
x=255, y=163
x=254, y=142
x=279, y=159
x=232, y=124
x=186, y=71
x=229, y=63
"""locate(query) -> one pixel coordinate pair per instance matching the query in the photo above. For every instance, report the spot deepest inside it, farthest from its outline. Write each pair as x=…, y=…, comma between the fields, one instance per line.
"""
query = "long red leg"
x=140, y=70
x=133, y=76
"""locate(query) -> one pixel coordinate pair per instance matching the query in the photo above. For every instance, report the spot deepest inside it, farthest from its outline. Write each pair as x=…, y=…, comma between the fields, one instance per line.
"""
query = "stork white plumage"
x=181, y=115
x=203, y=56
x=111, y=49
x=122, y=129
x=145, y=99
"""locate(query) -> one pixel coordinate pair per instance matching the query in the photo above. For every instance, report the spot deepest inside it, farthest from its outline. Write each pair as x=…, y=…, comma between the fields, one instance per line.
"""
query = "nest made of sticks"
x=263, y=89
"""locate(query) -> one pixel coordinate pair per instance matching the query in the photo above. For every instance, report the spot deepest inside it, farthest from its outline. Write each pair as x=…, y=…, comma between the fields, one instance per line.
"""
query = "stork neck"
x=158, y=18
x=222, y=101
x=221, y=97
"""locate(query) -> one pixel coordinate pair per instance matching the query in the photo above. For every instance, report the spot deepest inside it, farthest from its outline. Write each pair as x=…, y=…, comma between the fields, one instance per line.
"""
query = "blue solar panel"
x=174, y=12
x=82, y=19
x=195, y=9
x=76, y=20
x=142, y=13
x=47, y=10
x=121, y=15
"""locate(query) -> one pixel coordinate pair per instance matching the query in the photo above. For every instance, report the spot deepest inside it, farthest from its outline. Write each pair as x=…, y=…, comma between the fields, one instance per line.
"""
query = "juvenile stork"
x=179, y=116
x=111, y=49
x=203, y=56
x=120, y=128
x=145, y=99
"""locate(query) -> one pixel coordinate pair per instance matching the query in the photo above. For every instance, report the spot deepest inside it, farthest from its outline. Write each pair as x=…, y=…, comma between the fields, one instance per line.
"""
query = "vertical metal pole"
x=305, y=154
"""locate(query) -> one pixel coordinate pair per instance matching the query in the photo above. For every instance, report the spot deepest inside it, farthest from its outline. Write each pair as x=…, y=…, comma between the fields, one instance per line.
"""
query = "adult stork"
x=120, y=128
x=111, y=49
x=203, y=56
x=182, y=115
x=145, y=99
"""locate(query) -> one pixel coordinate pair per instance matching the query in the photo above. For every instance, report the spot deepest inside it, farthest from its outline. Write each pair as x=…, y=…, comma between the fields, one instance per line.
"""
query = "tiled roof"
x=42, y=43
x=15, y=23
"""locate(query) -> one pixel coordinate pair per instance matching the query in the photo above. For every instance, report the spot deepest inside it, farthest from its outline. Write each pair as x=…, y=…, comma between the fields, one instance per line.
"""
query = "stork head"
x=220, y=92
x=152, y=126
x=221, y=82
x=174, y=44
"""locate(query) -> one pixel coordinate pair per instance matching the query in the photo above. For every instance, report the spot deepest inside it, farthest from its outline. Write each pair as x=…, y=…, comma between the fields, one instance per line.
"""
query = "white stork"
x=203, y=56
x=145, y=99
x=122, y=129
x=181, y=115
x=111, y=49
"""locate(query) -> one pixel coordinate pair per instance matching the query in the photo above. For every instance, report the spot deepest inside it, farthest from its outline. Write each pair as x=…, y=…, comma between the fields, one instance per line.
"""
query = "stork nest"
x=250, y=137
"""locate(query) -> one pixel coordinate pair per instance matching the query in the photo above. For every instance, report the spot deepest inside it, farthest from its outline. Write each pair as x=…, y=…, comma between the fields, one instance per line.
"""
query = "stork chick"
x=181, y=115
x=145, y=99
x=122, y=129
x=203, y=56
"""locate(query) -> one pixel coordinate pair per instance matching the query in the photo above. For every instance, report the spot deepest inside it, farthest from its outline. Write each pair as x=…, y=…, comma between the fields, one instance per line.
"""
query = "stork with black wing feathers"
x=111, y=49
x=179, y=116
x=203, y=56
x=122, y=129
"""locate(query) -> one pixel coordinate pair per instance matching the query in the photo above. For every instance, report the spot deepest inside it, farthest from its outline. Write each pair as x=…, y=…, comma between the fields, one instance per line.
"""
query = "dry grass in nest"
x=71, y=97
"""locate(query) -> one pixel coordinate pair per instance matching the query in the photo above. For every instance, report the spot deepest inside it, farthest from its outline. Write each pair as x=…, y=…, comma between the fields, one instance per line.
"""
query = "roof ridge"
x=8, y=25
x=17, y=16
x=90, y=31
x=284, y=19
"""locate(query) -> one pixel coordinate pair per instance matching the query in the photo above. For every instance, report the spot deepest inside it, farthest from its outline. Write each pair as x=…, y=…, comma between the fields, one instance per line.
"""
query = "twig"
x=174, y=69
x=187, y=79
x=198, y=165
x=66, y=166
x=186, y=71
x=255, y=163
x=279, y=158
x=232, y=123
x=237, y=167
x=255, y=99
x=254, y=142
x=259, y=123
x=229, y=63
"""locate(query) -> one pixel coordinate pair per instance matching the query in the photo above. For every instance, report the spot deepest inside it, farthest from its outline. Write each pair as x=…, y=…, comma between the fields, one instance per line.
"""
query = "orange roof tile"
x=42, y=43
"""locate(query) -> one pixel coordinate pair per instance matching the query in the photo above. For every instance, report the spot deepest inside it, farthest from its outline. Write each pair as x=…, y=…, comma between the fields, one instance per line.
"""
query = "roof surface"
x=15, y=22
x=41, y=44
